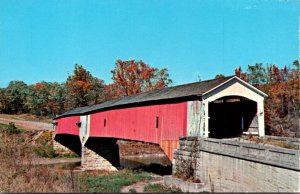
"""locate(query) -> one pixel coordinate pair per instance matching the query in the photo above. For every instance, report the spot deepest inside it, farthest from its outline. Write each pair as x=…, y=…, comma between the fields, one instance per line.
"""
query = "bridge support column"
x=226, y=165
x=58, y=147
x=61, y=149
x=100, y=154
x=90, y=160
x=66, y=144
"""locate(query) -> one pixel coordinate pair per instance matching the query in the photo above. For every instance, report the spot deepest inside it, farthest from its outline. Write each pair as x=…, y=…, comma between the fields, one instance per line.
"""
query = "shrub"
x=46, y=151
x=44, y=147
x=12, y=129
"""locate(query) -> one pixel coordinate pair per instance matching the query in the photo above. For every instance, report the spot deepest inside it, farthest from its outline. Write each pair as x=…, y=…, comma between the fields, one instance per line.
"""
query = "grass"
x=158, y=188
x=278, y=143
x=10, y=128
x=113, y=183
x=132, y=191
x=282, y=144
x=18, y=174
x=3, y=127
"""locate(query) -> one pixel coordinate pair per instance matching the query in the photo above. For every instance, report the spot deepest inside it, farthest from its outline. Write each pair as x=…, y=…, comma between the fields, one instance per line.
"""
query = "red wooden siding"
x=139, y=123
x=168, y=147
x=67, y=125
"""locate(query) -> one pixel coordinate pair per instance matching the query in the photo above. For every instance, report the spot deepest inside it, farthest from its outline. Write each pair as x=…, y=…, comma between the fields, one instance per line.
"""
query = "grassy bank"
x=113, y=182
x=18, y=172
x=158, y=188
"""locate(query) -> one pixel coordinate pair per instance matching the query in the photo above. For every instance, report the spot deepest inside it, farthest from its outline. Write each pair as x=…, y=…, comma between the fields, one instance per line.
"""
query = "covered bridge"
x=219, y=108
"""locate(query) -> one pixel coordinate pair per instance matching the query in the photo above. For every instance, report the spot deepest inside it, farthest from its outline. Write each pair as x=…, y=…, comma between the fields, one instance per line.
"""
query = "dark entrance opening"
x=231, y=116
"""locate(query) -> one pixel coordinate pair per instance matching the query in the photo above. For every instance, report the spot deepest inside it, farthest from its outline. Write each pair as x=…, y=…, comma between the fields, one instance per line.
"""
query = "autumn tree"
x=255, y=75
x=46, y=98
x=282, y=106
x=133, y=77
x=83, y=89
x=239, y=73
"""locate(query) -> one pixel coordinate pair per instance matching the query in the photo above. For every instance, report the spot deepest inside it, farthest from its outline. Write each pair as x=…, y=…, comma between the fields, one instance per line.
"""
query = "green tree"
x=46, y=98
x=3, y=101
x=16, y=94
x=38, y=98
x=257, y=74
x=96, y=94
x=57, y=98
x=219, y=76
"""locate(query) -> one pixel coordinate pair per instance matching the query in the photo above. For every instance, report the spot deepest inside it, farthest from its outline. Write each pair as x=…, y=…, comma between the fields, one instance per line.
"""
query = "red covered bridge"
x=219, y=108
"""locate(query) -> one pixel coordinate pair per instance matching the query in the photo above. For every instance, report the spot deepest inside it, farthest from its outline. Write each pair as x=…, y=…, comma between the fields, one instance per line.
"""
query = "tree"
x=257, y=74
x=283, y=88
x=239, y=73
x=46, y=98
x=57, y=98
x=3, y=101
x=37, y=98
x=133, y=77
x=219, y=76
x=83, y=89
x=16, y=94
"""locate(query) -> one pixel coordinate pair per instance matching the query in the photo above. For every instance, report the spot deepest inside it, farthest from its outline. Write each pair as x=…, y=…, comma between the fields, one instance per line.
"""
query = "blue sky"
x=42, y=40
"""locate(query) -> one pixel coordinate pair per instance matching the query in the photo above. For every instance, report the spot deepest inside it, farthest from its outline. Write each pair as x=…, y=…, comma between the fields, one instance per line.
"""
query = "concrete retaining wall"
x=234, y=166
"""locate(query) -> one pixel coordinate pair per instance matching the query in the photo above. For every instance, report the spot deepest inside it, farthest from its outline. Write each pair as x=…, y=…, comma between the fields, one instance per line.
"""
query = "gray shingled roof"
x=175, y=92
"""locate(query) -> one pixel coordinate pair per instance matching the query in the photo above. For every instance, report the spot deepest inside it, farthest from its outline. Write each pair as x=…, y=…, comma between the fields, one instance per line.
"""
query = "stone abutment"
x=230, y=165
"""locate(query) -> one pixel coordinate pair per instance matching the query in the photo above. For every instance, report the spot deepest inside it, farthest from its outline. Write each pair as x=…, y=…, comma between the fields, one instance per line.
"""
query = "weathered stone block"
x=92, y=161
x=243, y=167
x=61, y=149
x=185, y=186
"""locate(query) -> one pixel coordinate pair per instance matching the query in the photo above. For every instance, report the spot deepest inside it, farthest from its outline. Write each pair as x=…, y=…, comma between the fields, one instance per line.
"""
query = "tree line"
x=81, y=89
x=282, y=85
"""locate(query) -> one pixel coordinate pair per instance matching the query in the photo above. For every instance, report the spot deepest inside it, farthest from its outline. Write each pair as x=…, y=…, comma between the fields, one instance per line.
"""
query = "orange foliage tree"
x=282, y=106
x=83, y=89
x=133, y=77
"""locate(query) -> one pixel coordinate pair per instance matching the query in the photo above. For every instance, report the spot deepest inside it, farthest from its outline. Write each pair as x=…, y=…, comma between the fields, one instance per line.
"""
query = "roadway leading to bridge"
x=27, y=125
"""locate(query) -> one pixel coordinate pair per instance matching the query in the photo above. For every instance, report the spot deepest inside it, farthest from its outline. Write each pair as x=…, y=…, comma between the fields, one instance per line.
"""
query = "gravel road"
x=28, y=125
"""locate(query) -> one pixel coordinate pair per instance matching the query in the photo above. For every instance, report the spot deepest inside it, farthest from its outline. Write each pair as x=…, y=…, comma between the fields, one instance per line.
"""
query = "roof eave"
x=239, y=79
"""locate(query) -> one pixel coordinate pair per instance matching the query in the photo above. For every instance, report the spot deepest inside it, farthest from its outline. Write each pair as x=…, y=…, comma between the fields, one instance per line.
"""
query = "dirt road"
x=27, y=125
x=139, y=186
x=39, y=161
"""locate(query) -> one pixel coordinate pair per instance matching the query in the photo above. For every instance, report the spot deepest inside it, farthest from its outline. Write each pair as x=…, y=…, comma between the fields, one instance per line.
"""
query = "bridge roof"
x=195, y=89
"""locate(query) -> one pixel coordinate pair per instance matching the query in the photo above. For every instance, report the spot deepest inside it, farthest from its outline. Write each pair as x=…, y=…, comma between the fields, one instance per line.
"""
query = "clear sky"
x=42, y=40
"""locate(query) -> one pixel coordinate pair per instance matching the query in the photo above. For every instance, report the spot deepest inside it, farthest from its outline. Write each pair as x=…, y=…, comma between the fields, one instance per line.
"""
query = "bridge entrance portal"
x=232, y=116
